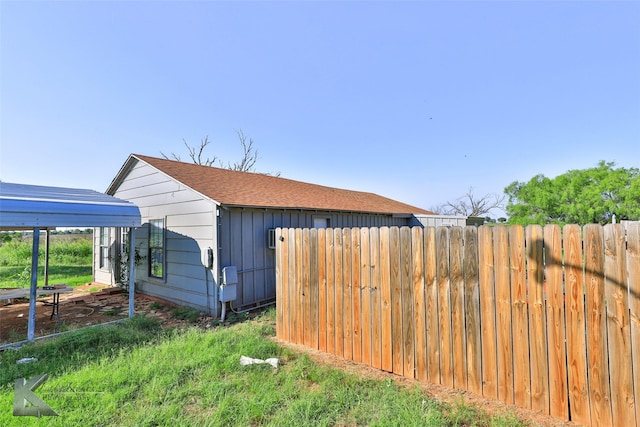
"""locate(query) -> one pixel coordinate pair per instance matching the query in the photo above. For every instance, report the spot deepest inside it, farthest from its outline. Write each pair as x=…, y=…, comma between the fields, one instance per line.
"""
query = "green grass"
x=186, y=313
x=72, y=275
x=137, y=374
x=70, y=259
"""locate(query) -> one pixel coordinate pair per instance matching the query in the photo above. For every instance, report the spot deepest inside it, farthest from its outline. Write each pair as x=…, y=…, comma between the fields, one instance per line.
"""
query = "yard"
x=172, y=372
x=170, y=366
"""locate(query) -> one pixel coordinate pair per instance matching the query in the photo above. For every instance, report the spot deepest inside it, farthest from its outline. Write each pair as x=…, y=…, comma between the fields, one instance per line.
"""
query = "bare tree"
x=471, y=205
x=249, y=156
x=196, y=154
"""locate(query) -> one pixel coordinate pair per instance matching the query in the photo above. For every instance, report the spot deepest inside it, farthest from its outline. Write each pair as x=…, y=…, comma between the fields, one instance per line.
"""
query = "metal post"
x=132, y=270
x=46, y=258
x=31, y=328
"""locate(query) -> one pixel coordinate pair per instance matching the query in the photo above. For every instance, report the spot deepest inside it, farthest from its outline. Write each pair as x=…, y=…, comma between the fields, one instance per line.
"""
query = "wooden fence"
x=546, y=318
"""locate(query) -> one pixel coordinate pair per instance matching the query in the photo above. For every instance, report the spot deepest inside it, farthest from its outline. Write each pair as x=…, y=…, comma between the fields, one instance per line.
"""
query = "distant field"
x=70, y=259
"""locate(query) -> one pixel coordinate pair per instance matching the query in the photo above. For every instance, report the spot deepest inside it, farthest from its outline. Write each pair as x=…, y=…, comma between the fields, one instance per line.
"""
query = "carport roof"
x=25, y=206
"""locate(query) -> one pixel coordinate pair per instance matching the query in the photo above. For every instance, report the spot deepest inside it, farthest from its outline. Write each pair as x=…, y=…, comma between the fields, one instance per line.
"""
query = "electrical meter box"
x=229, y=282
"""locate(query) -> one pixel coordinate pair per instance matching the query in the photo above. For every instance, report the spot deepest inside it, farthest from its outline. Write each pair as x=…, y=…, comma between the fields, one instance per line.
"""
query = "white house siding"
x=243, y=243
x=190, y=228
x=104, y=275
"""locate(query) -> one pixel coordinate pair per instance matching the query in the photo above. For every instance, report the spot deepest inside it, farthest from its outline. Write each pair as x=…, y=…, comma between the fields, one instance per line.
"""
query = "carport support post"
x=132, y=270
x=31, y=328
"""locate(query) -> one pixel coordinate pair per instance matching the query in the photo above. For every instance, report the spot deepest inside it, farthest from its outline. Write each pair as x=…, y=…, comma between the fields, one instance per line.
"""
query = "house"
x=204, y=227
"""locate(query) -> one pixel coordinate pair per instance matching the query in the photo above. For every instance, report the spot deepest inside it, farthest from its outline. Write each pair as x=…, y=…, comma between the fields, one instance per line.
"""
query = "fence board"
x=331, y=292
x=299, y=290
x=456, y=256
x=596, y=327
x=618, y=328
x=385, y=296
x=356, y=292
x=366, y=295
x=433, y=331
x=282, y=265
x=576, y=326
x=472, y=311
x=417, y=244
x=314, y=291
x=294, y=299
x=537, y=319
x=347, y=298
x=396, y=301
x=519, y=318
x=504, y=339
x=444, y=307
x=306, y=288
x=633, y=267
x=408, y=325
x=339, y=280
x=322, y=289
x=376, y=299
x=487, y=313
x=558, y=406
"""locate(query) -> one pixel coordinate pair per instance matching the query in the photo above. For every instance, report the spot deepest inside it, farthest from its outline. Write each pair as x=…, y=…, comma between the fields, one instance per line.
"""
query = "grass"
x=72, y=275
x=70, y=259
x=138, y=374
x=186, y=313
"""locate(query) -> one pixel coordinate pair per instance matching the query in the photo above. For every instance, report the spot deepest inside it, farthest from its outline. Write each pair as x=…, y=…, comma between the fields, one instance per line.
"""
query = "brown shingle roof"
x=236, y=188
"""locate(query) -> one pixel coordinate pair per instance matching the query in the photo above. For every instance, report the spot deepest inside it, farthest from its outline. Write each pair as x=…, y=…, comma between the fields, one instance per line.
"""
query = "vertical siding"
x=243, y=243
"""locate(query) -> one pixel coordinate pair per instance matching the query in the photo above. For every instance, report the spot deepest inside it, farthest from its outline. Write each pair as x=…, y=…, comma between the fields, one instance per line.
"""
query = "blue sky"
x=413, y=100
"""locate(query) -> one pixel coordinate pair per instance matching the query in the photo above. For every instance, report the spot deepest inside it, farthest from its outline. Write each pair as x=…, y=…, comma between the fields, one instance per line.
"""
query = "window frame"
x=104, y=244
x=157, y=243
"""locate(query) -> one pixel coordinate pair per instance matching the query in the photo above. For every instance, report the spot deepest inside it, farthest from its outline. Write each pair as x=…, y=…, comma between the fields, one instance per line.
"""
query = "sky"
x=418, y=101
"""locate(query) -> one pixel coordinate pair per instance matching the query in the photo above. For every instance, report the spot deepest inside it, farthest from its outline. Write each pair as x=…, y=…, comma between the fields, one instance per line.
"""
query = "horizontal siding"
x=189, y=231
x=177, y=296
x=195, y=233
x=191, y=219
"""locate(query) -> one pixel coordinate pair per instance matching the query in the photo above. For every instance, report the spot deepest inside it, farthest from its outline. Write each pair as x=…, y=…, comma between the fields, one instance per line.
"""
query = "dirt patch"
x=438, y=392
x=86, y=305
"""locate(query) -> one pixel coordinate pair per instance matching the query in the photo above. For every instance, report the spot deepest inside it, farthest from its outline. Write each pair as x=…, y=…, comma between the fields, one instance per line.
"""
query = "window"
x=271, y=238
x=124, y=240
x=104, y=248
x=320, y=222
x=156, y=248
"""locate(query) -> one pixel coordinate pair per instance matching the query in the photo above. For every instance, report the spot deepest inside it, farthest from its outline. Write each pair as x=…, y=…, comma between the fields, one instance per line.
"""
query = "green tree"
x=580, y=196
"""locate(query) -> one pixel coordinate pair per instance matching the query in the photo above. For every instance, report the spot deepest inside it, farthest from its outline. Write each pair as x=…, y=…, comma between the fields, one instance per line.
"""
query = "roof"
x=248, y=189
x=29, y=206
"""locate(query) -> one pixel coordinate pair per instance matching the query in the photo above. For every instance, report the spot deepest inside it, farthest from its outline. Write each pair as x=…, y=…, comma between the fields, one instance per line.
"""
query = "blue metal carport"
x=35, y=207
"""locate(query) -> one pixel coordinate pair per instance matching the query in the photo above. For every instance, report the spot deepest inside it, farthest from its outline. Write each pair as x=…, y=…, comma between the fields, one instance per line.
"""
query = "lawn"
x=140, y=374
